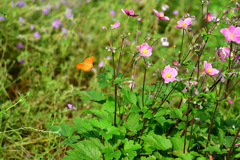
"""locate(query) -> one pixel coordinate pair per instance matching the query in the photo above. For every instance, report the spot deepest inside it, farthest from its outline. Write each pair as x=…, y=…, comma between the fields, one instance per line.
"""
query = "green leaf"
x=118, y=80
x=160, y=112
x=158, y=142
x=130, y=148
x=82, y=125
x=237, y=155
x=109, y=105
x=175, y=113
x=148, y=158
x=132, y=97
x=111, y=154
x=94, y=96
x=148, y=114
x=161, y=120
x=133, y=121
x=66, y=130
x=221, y=134
x=70, y=140
x=227, y=141
x=178, y=143
x=212, y=149
x=84, y=150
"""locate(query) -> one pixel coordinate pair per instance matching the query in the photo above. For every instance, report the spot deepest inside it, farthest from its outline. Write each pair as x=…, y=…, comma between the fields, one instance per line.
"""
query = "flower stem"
x=186, y=129
x=233, y=142
x=210, y=128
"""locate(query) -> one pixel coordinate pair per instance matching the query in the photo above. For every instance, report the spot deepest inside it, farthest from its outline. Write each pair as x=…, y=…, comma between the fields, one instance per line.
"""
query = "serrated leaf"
x=94, y=95
x=66, y=130
x=130, y=148
x=85, y=150
x=158, y=142
x=133, y=121
x=70, y=140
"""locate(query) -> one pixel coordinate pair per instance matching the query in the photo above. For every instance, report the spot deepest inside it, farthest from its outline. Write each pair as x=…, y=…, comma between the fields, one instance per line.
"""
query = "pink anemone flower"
x=169, y=74
x=145, y=50
x=224, y=52
x=231, y=34
x=116, y=25
x=208, y=17
x=129, y=13
x=184, y=24
x=161, y=15
x=209, y=70
x=230, y=101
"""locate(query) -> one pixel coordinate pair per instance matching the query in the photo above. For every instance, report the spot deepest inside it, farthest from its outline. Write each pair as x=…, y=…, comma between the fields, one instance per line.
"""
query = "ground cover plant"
x=155, y=82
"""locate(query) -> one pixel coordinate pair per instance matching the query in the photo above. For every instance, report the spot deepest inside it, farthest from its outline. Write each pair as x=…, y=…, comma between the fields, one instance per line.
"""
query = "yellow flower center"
x=209, y=70
x=168, y=75
x=183, y=24
x=231, y=35
x=161, y=15
x=111, y=25
x=144, y=51
x=208, y=18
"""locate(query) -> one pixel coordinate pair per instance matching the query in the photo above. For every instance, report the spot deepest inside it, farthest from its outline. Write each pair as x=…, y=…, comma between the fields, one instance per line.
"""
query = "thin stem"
x=144, y=78
x=129, y=63
x=157, y=91
x=210, y=128
x=207, y=14
x=174, y=125
x=165, y=98
x=191, y=132
x=137, y=34
x=144, y=122
x=233, y=142
x=114, y=76
x=181, y=46
x=153, y=26
x=115, y=112
x=186, y=128
x=120, y=57
x=126, y=26
x=229, y=64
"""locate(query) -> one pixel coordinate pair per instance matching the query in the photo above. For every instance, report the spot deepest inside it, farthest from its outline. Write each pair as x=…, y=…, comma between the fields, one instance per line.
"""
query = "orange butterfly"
x=87, y=64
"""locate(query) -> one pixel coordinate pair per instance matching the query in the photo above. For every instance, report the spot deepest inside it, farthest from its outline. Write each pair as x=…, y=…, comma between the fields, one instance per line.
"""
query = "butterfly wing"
x=89, y=60
x=87, y=64
x=84, y=66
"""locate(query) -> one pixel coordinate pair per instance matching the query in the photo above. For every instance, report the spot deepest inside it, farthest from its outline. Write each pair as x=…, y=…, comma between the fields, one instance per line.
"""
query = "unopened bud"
x=139, y=19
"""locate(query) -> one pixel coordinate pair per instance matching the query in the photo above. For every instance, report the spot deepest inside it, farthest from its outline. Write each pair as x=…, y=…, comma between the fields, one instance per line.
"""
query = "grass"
x=35, y=94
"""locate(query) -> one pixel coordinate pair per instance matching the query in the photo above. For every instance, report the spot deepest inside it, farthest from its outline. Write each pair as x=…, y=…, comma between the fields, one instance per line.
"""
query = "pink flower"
x=208, y=17
x=169, y=74
x=129, y=13
x=238, y=144
x=145, y=50
x=184, y=24
x=209, y=70
x=70, y=106
x=224, y=52
x=175, y=63
x=116, y=25
x=161, y=15
x=101, y=64
x=231, y=34
x=175, y=12
x=230, y=101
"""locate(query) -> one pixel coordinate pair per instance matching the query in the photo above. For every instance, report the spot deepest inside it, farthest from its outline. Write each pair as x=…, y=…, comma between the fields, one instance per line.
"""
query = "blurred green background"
x=38, y=76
